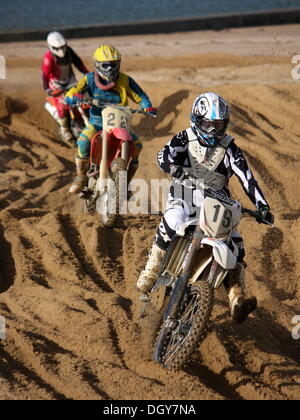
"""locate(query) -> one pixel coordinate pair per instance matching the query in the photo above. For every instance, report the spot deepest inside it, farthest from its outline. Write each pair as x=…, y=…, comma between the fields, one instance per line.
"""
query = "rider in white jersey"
x=205, y=151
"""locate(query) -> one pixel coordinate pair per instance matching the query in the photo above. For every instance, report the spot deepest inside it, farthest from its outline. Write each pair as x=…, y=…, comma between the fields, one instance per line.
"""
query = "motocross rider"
x=206, y=152
x=105, y=84
x=57, y=75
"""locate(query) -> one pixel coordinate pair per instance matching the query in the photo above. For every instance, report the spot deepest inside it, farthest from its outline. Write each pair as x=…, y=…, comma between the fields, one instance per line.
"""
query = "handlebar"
x=221, y=195
x=95, y=103
x=256, y=214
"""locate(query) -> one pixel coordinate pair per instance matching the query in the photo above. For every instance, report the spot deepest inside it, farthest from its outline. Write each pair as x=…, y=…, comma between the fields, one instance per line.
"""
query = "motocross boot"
x=82, y=166
x=240, y=305
x=151, y=271
x=64, y=129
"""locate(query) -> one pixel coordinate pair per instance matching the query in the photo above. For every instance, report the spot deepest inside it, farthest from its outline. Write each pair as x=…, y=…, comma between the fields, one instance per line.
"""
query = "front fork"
x=182, y=281
x=125, y=151
x=214, y=273
x=103, y=170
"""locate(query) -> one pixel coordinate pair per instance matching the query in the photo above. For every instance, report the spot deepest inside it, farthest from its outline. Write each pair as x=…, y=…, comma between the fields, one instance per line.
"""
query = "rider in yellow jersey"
x=105, y=84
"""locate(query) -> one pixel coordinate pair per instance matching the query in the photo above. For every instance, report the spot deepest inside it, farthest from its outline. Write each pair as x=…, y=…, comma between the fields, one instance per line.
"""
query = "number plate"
x=115, y=118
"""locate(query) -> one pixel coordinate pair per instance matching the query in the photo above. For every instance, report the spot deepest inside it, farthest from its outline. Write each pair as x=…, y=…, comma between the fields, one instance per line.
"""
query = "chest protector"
x=63, y=71
x=205, y=160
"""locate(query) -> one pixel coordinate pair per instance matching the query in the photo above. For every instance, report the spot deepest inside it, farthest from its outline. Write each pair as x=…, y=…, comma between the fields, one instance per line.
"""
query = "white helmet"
x=209, y=118
x=57, y=44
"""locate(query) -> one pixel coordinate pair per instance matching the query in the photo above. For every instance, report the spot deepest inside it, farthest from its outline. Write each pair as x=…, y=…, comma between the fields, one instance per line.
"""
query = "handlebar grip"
x=257, y=216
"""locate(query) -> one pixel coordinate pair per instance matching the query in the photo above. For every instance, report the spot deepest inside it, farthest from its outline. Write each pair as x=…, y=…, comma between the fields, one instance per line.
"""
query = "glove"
x=266, y=215
x=54, y=92
x=75, y=99
x=178, y=172
x=151, y=110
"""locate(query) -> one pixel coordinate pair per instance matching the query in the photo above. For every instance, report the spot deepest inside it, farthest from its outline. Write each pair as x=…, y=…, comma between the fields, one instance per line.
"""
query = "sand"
x=68, y=285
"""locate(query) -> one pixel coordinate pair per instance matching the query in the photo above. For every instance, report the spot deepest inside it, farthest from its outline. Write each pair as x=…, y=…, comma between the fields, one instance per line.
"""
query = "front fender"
x=222, y=253
x=121, y=134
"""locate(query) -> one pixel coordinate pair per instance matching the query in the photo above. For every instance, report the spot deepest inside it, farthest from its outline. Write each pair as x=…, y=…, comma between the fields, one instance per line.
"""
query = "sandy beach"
x=67, y=285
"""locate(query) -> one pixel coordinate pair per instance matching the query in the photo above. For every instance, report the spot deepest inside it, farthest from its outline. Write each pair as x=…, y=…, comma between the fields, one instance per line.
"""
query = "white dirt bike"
x=199, y=258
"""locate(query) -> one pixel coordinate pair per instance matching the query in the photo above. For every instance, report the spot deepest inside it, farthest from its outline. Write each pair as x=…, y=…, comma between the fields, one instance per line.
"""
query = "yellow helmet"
x=107, y=61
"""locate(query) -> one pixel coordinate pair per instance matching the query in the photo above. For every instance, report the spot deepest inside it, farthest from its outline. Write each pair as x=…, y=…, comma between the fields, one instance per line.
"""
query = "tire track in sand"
x=68, y=285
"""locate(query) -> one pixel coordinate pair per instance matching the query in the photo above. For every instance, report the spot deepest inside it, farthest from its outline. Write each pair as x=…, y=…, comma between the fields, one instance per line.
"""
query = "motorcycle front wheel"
x=177, y=341
x=108, y=212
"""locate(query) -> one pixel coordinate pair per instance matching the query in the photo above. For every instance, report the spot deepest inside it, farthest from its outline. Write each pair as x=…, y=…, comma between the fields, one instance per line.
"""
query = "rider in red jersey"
x=58, y=75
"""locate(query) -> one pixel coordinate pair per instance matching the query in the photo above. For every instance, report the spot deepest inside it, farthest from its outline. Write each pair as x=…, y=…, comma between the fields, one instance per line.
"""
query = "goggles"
x=108, y=65
x=59, y=48
x=59, y=51
x=217, y=126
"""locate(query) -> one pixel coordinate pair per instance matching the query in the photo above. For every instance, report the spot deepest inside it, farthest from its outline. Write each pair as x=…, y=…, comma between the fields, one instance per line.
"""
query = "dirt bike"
x=176, y=312
x=111, y=153
x=78, y=114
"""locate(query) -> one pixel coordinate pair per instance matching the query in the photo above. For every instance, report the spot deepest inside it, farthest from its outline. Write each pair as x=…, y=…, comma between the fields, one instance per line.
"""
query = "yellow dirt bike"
x=112, y=151
x=201, y=255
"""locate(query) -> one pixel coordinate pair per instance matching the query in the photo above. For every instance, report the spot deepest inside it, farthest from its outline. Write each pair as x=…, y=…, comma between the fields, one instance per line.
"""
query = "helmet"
x=209, y=118
x=107, y=61
x=57, y=44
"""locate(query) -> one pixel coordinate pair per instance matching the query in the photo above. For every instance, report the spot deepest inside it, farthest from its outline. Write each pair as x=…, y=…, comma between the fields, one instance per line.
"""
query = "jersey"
x=57, y=72
x=125, y=87
x=233, y=162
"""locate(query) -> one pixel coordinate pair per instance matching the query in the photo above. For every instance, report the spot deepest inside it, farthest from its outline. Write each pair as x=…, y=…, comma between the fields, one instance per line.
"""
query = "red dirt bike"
x=112, y=151
x=79, y=115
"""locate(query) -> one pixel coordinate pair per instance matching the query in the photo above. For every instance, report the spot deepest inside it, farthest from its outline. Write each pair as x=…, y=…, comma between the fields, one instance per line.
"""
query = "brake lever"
x=265, y=222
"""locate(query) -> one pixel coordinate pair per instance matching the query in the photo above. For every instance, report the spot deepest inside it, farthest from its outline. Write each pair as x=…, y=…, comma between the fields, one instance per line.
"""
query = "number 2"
x=296, y=329
x=111, y=118
x=123, y=123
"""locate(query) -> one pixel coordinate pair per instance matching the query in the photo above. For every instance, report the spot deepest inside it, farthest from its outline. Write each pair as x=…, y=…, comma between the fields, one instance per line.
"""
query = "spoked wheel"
x=107, y=215
x=86, y=197
x=108, y=204
x=177, y=340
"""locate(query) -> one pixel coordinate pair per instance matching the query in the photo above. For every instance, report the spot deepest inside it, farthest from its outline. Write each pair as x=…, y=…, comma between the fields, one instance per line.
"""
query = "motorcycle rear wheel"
x=175, y=345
